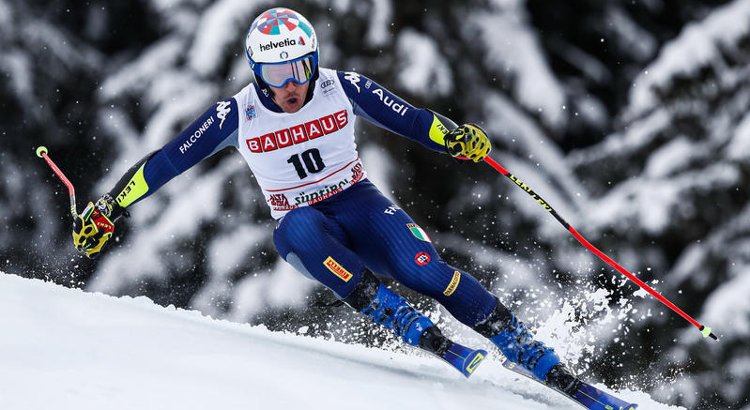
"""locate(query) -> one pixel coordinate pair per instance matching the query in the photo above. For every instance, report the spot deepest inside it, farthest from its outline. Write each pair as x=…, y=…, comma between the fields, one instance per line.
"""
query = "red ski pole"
x=705, y=330
x=41, y=152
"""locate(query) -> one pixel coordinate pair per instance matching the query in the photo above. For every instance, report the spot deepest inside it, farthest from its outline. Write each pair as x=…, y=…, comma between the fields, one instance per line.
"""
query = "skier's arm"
x=208, y=134
x=376, y=104
x=437, y=132
x=212, y=131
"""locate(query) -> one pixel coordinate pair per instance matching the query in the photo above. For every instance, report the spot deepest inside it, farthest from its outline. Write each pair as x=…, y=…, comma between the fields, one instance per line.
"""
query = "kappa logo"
x=354, y=79
x=299, y=133
x=223, y=108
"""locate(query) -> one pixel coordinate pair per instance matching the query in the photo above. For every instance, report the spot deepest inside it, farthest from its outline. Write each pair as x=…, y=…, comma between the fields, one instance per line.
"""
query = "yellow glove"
x=468, y=141
x=93, y=227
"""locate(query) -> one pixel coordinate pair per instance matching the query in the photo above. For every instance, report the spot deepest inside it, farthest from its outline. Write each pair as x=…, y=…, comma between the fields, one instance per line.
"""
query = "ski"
x=464, y=359
x=582, y=393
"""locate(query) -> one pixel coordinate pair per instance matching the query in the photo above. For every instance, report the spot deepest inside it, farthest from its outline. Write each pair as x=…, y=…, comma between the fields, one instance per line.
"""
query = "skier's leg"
x=315, y=245
x=389, y=242
x=400, y=248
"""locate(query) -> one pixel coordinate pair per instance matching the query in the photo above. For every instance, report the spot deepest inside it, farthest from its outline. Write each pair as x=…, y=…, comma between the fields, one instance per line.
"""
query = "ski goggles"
x=278, y=75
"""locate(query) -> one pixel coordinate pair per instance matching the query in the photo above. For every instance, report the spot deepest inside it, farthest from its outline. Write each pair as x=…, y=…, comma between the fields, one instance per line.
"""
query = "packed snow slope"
x=63, y=348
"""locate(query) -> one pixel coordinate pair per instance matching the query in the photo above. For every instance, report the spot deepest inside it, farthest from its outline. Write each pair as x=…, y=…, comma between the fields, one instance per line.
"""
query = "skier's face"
x=291, y=96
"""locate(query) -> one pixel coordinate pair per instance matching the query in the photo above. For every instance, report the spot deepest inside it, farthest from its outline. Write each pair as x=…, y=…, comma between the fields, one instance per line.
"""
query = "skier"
x=294, y=125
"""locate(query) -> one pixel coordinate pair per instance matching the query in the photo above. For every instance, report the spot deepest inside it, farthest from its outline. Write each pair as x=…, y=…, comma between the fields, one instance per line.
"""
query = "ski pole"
x=41, y=152
x=705, y=330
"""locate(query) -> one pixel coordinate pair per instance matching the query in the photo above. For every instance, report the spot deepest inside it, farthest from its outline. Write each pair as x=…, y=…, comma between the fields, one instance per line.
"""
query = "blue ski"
x=464, y=359
x=584, y=394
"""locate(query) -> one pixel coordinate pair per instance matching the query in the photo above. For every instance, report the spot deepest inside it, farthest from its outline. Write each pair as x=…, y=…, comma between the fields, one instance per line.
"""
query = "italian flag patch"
x=418, y=232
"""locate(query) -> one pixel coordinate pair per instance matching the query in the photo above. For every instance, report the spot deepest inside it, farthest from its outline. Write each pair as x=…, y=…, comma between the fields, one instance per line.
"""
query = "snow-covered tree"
x=628, y=117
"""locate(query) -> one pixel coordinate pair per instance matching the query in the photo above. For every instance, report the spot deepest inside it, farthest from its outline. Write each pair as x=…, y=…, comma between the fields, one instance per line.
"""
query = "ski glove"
x=94, y=227
x=468, y=141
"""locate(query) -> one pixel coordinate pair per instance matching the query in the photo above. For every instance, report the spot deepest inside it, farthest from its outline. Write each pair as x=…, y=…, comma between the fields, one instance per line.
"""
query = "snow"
x=700, y=44
x=739, y=147
x=156, y=59
x=542, y=161
x=283, y=287
x=63, y=348
x=511, y=48
x=17, y=65
x=227, y=251
x=6, y=17
x=379, y=163
x=423, y=69
x=653, y=203
x=380, y=15
x=731, y=315
x=575, y=327
x=217, y=32
x=120, y=266
x=226, y=254
x=671, y=157
x=631, y=35
x=630, y=140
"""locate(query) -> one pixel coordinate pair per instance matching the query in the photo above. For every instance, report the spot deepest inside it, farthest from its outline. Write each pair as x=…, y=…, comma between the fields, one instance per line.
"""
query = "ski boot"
x=517, y=343
x=371, y=298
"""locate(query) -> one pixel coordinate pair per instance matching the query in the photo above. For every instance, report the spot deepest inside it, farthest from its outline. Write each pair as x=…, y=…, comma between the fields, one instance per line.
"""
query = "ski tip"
x=472, y=361
x=41, y=151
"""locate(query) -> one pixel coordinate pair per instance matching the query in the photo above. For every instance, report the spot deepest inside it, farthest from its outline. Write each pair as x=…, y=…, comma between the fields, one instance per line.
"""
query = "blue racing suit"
x=344, y=226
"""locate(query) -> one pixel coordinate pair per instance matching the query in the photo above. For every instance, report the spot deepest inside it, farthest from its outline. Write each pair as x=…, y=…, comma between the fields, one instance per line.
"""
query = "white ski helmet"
x=281, y=46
